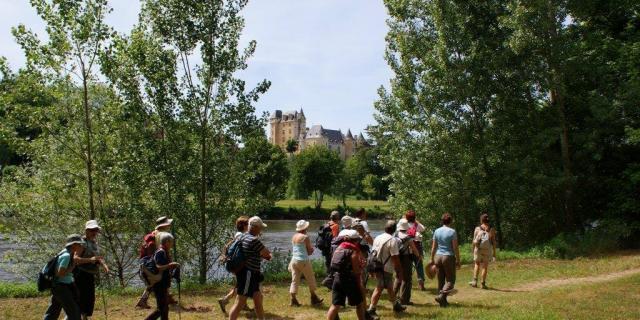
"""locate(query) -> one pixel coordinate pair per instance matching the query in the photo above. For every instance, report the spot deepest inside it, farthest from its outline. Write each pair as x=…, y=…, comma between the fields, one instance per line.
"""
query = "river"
x=276, y=235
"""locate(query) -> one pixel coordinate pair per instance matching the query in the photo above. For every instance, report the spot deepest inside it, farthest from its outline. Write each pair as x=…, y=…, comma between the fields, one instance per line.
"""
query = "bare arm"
x=265, y=253
x=395, y=260
x=307, y=243
x=414, y=249
x=456, y=249
x=433, y=250
x=494, y=242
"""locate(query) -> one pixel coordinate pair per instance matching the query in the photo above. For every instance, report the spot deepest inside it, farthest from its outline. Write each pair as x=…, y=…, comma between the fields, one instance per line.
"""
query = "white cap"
x=347, y=221
x=403, y=224
x=255, y=221
x=351, y=234
x=302, y=225
x=92, y=224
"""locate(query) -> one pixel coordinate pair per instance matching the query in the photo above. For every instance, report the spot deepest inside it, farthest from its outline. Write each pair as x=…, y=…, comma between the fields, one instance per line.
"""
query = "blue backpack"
x=235, y=259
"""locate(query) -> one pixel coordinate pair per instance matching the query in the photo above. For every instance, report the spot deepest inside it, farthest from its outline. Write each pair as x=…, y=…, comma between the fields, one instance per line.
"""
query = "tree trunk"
x=202, y=278
x=89, y=160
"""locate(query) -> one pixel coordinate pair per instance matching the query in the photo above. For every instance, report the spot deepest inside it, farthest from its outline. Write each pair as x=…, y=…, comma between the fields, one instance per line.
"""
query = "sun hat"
x=347, y=221
x=255, y=221
x=403, y=225
x=351, y=234
x=431, y=270
x=302, y=225
x=74, y=239
x=163, y=222
x=92, y=224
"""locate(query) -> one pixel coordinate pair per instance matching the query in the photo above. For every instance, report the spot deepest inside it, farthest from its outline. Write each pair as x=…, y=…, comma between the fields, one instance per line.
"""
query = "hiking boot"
x=223, y=305
x=397, y=307
x=421, y=284
x=474, y=283
x=315, y=300
x=442, y=301
x=294, y=303
x=484, y=286
x=143, y=304
x=371, y=315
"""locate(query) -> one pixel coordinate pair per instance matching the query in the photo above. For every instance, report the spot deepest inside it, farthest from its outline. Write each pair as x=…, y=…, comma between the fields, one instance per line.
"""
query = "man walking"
x=386, y=249
x=249, y=277
x=330, y=230
x=408, y=251
x=85, y=273
x=347, y=266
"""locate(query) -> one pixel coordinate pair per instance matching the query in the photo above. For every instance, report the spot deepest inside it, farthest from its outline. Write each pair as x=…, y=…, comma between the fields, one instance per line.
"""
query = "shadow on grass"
x=268, y=315
x=505, y=290
x=457, y=305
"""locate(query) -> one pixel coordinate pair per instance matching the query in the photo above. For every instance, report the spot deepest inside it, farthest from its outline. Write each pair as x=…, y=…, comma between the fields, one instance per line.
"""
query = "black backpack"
x=323, y=241
x=47, y=275
x=341, y=261
x=235, y=259
x=374, y=264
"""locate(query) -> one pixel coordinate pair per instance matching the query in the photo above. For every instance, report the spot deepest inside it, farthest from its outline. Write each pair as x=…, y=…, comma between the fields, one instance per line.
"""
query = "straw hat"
x=255, y=221
x=92, y=224
x=351, y=234
x=403, y=224
x=74, y=239
x=431, y=270
x=163, y=222
x=347, y=221
x=302, y=225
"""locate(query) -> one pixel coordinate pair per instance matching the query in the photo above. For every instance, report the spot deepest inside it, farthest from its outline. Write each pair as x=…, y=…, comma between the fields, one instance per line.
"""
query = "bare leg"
x=241, y=301
x=375, y=297
x=485, y=269
x=257, y=302
x=333, y=312
x=360, y=311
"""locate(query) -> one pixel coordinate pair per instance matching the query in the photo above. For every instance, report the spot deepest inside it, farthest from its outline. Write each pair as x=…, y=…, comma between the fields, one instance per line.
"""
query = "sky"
x=325, y=56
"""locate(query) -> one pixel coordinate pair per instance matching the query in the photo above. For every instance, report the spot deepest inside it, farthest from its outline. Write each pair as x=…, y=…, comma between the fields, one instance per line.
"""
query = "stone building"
x=292, y=125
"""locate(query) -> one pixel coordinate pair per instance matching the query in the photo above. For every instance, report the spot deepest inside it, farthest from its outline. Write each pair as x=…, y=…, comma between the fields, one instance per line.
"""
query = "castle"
x=292, y=125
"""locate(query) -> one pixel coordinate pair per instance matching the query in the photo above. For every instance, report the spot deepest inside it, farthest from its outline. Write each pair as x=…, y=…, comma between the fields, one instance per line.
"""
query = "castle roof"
x=287, y=115
x=334, y=136
x=349, y=135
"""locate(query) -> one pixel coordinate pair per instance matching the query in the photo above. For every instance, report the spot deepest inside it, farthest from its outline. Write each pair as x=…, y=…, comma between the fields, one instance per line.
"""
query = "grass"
x=334, y=203
x=615, y=299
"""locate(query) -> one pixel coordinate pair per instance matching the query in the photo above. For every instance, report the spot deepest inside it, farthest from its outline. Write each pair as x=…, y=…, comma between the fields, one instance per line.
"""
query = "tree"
x=267, y=172
x=315, y=170
x=292, y=146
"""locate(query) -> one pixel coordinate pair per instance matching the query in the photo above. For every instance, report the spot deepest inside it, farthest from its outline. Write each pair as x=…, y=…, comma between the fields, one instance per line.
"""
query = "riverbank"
x=305, y=209
x=604, y=287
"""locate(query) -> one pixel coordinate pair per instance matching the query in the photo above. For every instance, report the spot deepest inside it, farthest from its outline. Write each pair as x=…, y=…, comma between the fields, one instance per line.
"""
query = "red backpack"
x=413, y=230
x=148, y=246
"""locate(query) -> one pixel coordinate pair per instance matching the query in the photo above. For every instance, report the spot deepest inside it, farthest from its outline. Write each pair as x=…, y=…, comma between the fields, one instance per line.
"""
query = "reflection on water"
x=276, y=235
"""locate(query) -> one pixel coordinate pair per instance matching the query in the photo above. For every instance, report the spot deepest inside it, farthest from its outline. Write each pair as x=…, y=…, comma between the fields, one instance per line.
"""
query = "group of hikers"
x=352, y=257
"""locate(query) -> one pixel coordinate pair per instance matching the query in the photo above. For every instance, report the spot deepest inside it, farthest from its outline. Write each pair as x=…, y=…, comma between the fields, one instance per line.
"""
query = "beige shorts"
x=483, y=256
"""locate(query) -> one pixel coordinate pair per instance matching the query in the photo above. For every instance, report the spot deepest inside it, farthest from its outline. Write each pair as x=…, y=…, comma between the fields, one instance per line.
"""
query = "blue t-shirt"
x=64, y=261
x=444, y=237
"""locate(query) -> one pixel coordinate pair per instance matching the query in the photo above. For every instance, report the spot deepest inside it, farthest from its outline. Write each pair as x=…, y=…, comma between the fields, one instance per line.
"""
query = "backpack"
x=341, y=261
x=374, y=264
x=413, y=230
x=235, y=259
x=323, y=241
x=335, y=243
x=484, y=239
x=405, y=249
x=148, y=271
x=47, y=275
x=148, y=246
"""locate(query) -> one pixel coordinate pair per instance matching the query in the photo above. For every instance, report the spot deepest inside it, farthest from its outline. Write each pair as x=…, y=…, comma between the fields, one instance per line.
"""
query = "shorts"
x=344, y=289
x=384, y=279
x=248, y=282
x=482, y=256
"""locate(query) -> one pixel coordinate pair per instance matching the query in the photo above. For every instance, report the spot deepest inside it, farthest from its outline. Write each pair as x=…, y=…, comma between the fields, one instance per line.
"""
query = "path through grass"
x=586, y=292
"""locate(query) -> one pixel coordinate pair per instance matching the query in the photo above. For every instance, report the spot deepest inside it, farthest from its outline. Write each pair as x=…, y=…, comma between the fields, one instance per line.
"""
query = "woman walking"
x=484, y=250
x=242, y=226
x=415, y=230
x=301, y=264
x=446, y=256
x=162, y=258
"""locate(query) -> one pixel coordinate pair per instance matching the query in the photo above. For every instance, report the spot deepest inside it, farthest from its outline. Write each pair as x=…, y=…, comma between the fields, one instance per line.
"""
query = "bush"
x=20, y=290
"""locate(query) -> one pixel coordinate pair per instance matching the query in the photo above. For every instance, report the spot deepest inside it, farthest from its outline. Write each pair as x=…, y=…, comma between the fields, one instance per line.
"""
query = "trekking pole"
x=104, y=299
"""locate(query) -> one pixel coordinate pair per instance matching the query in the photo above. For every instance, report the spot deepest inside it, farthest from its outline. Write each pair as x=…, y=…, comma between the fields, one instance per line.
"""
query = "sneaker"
x=442, y=301
x=223, y=304
x=371, y=315
x=484, y=286
x=474, y=283
x=397, y=307
x=316, y=301
x=372, y=312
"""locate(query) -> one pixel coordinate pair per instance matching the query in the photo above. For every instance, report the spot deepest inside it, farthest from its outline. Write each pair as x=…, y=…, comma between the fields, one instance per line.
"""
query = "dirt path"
x=544, y=284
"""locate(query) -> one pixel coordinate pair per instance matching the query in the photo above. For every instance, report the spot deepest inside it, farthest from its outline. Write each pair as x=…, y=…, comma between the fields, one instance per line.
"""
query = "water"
x=277, y=235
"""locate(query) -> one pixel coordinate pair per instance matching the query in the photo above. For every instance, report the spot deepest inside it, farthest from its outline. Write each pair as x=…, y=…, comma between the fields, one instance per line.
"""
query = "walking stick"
x=104, y=299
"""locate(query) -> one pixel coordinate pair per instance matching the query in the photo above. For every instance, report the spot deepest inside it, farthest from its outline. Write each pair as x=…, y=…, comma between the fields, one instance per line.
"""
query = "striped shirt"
x=252, y=246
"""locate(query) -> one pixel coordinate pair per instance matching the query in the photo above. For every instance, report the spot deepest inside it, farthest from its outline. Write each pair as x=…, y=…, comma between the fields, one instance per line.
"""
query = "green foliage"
x=315, y=170
x=267, y=169
x=513, y=108
x=292, y=146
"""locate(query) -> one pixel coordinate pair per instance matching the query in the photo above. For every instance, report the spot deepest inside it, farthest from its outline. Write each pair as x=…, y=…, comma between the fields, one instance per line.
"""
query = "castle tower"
x=285, y=126
x=349, y=147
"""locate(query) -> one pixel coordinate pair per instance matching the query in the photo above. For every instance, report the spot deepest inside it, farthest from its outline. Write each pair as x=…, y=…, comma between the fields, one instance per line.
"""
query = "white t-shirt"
x=237, y=235
x=365, y=225
x=386, y=245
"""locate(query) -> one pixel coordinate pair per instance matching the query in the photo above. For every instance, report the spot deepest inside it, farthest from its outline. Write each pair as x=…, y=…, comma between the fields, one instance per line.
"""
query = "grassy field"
x=586, y=288
x=333, y=203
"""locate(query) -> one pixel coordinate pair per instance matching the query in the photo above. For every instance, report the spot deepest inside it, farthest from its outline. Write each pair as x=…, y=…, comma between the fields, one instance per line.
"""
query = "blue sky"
x=326, y=56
